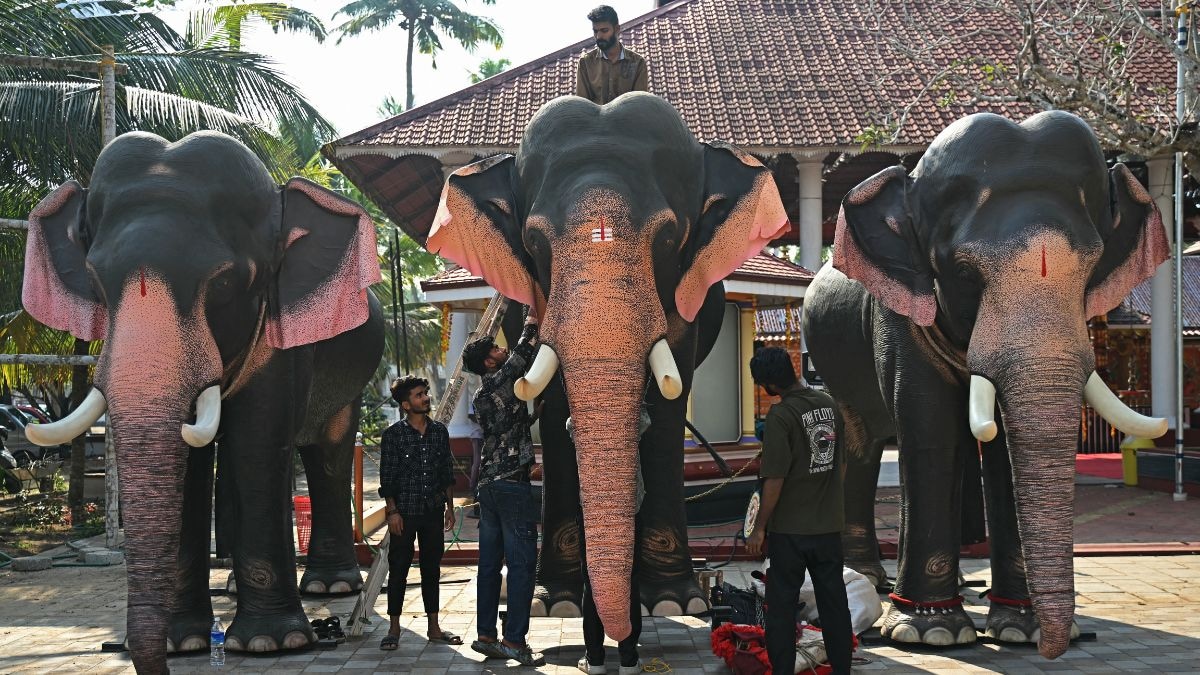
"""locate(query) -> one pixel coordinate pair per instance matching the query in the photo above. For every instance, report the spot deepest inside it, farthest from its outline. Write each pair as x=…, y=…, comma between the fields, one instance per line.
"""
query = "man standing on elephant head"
x=508, y=519
x=416, y=478
x=610, y=69
x=803, y=464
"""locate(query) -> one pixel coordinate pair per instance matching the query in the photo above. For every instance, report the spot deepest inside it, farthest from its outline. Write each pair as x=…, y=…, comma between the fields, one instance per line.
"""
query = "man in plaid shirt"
x=416, y=477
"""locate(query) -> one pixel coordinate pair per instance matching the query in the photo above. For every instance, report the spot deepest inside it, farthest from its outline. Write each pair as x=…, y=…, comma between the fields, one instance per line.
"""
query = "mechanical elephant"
x=616, y=226
x=958, y=291
x=219, y=292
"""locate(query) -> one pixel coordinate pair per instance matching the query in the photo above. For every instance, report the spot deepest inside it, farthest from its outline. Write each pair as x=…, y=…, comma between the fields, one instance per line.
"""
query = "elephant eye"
x=221, y=288
x=717, y=206
x=498, y=207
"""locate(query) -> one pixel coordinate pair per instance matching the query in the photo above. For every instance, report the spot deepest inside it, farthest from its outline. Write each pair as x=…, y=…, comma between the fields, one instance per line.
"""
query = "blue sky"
x=347, y=82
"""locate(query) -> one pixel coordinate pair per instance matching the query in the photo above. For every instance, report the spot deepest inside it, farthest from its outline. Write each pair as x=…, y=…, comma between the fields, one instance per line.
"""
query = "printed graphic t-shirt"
x=801, y=445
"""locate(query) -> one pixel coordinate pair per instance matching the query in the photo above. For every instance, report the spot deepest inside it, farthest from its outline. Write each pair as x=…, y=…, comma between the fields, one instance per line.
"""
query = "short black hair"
x=603, y=13
x=475, y=353
x=402, y=386
x=773, y=366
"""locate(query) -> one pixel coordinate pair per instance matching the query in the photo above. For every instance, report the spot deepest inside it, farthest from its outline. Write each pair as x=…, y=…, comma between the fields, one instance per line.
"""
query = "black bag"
x=746, y=606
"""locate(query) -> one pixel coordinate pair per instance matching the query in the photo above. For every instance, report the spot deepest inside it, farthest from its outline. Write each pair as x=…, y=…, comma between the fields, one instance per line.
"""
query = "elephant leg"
x=930, y=411
x=559, y=576
x=666, y=582
x=860, y=545
x=191, y=615
x=1011, y=617
x=256, y=457
x=332, y=566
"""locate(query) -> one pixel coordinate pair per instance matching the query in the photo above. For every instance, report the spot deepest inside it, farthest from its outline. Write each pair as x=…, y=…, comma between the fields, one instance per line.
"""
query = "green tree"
x=221, y=26
x=423, y=20
x=488, y=68
x=389, y=107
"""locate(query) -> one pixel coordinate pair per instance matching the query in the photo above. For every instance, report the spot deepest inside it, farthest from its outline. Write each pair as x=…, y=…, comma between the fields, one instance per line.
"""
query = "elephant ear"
x=741, y=213
x=1135, y=243
x=328, y=260
x=477, y=226
x=875, y=243
x=56, y=289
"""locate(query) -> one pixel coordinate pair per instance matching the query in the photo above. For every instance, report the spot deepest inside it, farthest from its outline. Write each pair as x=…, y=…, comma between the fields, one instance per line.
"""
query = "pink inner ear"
x=758, y=219
x=340, y=304
x=463, y=235
x=1152, y=251
x=850, y=259
x=43, y=294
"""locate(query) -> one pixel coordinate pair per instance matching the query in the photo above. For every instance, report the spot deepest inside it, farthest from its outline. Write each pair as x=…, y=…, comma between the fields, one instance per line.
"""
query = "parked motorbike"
x=8, y=464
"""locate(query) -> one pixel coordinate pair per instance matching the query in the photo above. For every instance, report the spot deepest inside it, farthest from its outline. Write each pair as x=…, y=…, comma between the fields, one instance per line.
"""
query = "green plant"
x=41, y=512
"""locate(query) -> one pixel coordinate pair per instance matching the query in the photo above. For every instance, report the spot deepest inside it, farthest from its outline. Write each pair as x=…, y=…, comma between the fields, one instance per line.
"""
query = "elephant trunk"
x=1040, y=402
x=154, y=366
x=604, y=395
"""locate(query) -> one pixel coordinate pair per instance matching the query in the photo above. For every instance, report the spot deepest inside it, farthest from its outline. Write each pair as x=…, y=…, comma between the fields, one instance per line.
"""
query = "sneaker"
x=632, y=670
x=522, y=655
x=588, y=668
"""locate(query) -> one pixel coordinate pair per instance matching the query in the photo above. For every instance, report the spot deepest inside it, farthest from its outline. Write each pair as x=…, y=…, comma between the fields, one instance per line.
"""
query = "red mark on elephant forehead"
x=1043, y=260
x=142, y=274
x=602, y=233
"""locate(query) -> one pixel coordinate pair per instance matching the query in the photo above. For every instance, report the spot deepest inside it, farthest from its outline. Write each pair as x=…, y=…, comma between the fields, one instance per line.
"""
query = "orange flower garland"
x=446, y=320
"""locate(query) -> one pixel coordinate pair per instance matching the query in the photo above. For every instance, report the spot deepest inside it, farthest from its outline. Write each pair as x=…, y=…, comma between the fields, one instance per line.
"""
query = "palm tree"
x=222, y=25
x=489, y=68
x=172, y=87
x=423, y=20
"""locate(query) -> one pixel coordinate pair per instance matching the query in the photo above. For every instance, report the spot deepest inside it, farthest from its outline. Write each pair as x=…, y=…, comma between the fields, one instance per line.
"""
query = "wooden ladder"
x=489, y=325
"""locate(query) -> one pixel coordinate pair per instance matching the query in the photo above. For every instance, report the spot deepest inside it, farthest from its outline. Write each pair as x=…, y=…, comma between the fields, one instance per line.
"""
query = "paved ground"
x=1141, y=609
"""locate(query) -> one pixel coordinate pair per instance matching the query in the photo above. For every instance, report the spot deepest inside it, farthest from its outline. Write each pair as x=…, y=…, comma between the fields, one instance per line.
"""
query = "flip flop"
x=446, y=637
x=389, y=642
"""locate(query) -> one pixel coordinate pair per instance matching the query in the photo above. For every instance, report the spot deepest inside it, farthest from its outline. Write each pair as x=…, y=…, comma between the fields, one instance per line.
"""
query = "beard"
x=605, y=45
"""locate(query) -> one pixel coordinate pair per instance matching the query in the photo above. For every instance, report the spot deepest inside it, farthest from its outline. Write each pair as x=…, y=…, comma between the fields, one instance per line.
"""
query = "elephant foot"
x=872, y=570
x=557, y=600
x=935, y=624
x=269, y=633
x=1014, y=621
x=674, y=597
x=331, y=582
x=189, y=631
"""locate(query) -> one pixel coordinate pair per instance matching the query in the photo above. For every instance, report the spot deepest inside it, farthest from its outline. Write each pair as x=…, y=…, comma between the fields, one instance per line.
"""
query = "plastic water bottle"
x=216, y=643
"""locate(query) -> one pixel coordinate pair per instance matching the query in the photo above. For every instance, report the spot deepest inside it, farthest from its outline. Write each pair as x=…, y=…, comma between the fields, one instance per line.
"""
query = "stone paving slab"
x=1141, y=608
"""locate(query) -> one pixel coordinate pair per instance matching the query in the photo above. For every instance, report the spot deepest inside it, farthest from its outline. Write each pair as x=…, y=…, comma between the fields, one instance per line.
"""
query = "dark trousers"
x=593, y=629
x=508, y=533
x=821, y=556
x=427, y=531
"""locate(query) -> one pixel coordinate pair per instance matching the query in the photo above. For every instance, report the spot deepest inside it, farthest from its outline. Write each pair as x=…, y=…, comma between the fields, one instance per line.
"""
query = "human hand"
x=449, y=524
x=395, y=522
x=754, y=544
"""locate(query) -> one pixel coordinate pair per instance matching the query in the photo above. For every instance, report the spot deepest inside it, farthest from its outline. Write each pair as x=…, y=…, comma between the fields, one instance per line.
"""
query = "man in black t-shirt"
x=801, y=515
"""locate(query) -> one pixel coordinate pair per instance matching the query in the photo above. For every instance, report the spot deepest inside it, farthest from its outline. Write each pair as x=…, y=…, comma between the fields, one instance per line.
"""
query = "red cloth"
x=744, y=648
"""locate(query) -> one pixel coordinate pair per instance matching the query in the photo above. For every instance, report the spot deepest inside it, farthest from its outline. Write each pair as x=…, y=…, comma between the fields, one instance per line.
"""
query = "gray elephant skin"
x=220, y=292
x=977, y=273
x=616, y=226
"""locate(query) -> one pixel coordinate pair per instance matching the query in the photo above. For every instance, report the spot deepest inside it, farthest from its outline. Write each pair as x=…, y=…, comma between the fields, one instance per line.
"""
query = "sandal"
x=320, y=628
x=333, y=625
x=490, y=650
x=523, y=655
x=389, y=642
x=446, y=637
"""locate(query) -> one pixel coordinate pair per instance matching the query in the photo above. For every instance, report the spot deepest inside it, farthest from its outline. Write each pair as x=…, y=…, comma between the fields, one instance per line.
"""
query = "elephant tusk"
x=208, y=418
x=1099, y=396
x=981, y=409
x=666, y=373
x=66, y=429
x=545, y=364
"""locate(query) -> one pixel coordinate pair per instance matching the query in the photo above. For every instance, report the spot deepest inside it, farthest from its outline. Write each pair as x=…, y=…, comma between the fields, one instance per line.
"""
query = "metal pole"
x=1179, y=495
x=397, y=281
x=358, y=488
x=108, y=131
x=395, y=300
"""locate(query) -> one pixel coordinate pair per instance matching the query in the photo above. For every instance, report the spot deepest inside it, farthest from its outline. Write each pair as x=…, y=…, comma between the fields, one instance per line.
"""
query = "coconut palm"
x=488, y=68
x=221, y=26
x=423, y=20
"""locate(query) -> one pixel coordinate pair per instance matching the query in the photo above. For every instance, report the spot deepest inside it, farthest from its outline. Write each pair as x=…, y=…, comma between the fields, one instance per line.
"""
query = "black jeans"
x=427, y=530
x=593, y=628
x=821, y=555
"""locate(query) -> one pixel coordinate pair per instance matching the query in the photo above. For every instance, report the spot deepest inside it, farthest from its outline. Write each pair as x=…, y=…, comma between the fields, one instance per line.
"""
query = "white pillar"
x=1162, y=309
x=809, y=171
x=461, y=325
